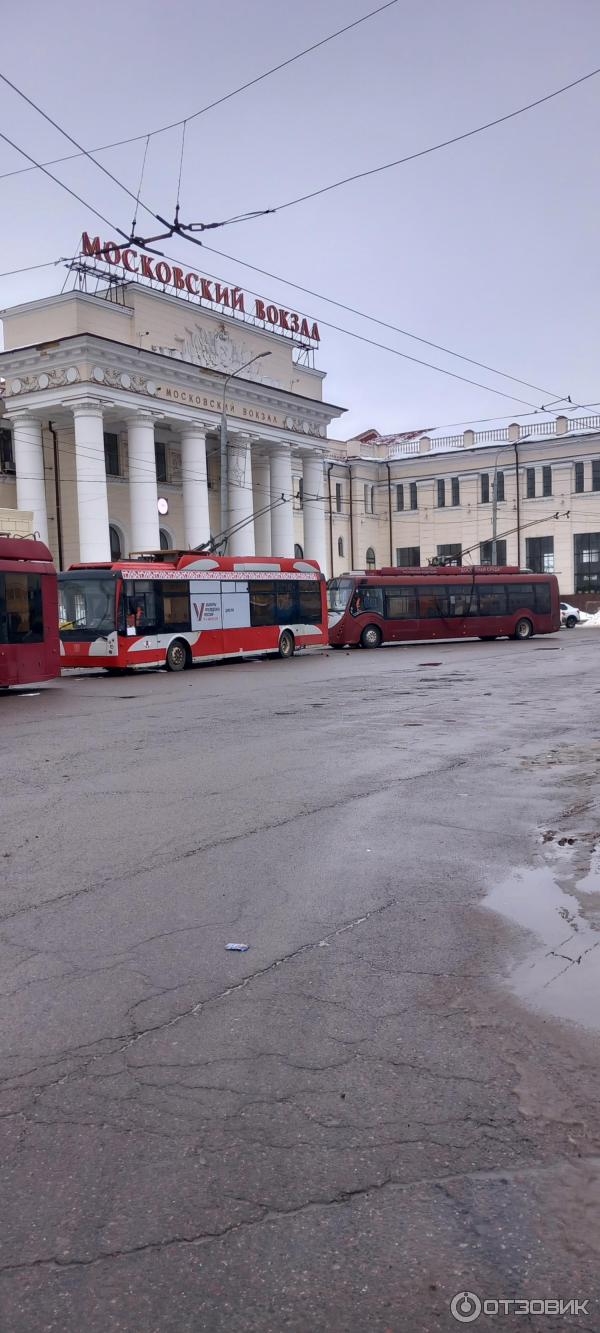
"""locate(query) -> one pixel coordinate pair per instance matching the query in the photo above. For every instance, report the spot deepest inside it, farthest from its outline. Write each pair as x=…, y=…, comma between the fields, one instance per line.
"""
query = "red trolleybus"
x=174, y=608
x=29, y=643
x=480, y=602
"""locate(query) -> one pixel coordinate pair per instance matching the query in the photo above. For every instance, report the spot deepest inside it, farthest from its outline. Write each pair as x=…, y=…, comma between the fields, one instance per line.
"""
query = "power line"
x=29, y=268
x=210, y=106
x=434, y=148
x=68, y=189
x=352, y=310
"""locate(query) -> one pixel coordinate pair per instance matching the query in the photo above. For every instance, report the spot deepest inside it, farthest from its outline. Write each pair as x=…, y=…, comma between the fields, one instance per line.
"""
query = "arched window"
x=340, y=545
x=166, y=542
x=298, y=552
x=370, y=557
x=116, y=542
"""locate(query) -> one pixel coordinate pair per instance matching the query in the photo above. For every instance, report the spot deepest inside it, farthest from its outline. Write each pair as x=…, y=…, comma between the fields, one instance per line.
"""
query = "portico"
x=116, y=444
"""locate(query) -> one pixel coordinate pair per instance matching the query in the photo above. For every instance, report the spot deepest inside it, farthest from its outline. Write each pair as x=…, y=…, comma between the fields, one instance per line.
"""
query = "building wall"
x=15, y=522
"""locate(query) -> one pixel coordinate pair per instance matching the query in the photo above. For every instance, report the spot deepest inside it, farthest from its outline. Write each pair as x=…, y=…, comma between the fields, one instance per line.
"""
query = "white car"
x=570, y=616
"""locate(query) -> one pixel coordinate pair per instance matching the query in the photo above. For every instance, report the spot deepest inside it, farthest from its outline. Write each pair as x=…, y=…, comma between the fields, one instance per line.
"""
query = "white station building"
x=113, y=404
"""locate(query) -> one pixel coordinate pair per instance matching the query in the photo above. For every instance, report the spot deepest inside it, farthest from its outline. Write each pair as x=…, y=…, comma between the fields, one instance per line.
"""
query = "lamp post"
x=224, y=459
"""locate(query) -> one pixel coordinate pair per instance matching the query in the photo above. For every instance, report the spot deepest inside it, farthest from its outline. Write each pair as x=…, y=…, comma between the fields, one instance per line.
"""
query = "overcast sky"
x=489, y=247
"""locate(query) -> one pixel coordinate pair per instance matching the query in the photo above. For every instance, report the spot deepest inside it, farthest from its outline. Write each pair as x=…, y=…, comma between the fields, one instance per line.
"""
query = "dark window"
x=21, y=608
x=485, y=488
x=115, y=543
x=300, y=495
x=7, y=461
x=579, y=478
x=433, y=602
x=587, y=561
x=399, y=496
x=451, y=551
x=486, y=552
x=340, y=545
x=287, y=601
x=546, y=481
x=338, y=497
x=298, y=551
x=441, y=493
x=499, y=486
x=530, y=482
x=400, y=603
x=461, y=599
x=539, y=554
x=408, y=557
x=160, y=453
x=370, y=558
x=596, y=474
x=542, y=598
x=520, y=597
x=492, y=599
x=367, y=599
x=262, y=603
x=413, y=495
x=165, y=540
x=111, y=455
x=455, y=491
x=175, y=605
x=142, y=609
x=309, y=602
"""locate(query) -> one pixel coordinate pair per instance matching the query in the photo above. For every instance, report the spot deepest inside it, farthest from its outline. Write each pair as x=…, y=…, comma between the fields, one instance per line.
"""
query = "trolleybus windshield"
x=87, y=604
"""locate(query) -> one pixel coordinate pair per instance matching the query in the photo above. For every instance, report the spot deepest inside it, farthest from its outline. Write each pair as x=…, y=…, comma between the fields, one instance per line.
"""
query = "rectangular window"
x=413, y=495
x=433, y=602
x=287, y=602
x=309, y=603
x=111, y=455
x=499, y=486
x=455, y=491
x=399, y=497
x=142, y=608
x=596, y=474
x=492, y=599
x=462, y=599
x=486, y=552
x=367, y=598
x=539, y=554
x=542, y=598
x=175, y=605
x=546, y=481
x=263, y=607
x=520, y=597
x=587, y=561
x=338, y=497
x=160, y=452
x=7, y=461
x=485, y=488
x=579, y=479
x=441, y=493
x=408, y=557
x=400, y=603
x=21, y=608
x=530, y=482
x=451, y=551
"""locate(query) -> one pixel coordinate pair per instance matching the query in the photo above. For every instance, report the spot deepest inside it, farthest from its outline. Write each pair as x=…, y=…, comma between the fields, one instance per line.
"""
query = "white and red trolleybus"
x=29, y=643
x=176, y=608
x=436, y=602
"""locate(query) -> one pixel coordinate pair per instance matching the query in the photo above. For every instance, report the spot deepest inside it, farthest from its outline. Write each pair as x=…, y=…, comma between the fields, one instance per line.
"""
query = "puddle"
x=561, y=975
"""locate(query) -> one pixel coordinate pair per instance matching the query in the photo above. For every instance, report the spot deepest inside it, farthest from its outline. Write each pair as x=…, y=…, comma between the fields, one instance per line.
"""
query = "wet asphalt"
x=385, y=1101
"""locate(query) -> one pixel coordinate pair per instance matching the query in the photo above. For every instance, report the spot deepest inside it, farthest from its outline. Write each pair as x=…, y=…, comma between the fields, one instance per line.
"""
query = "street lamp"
x=224, y=459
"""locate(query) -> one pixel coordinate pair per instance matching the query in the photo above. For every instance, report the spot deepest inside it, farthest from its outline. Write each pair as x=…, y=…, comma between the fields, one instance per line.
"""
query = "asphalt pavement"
x=393, y=1096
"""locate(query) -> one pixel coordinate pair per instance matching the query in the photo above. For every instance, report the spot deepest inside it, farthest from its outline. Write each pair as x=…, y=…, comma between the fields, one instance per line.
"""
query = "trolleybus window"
x=369, y=597
x=400, y=603
x=176, y=605
x=338, y=594
x=86, y=605
x=21, y=618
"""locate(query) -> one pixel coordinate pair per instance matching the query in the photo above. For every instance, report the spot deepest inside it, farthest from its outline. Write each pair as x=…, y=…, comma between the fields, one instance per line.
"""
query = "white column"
x=313, y=488
x=92, y=499
x=261, y=481
x=29, y=464
x=282, y=515
x=196, y=521
x=241, y=505
x=143, y=493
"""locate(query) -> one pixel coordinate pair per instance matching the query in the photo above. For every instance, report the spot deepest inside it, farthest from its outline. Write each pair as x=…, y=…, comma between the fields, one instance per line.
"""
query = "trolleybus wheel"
x=177, y=657
x=523, y=629
x=287, y=644
x=371, y=637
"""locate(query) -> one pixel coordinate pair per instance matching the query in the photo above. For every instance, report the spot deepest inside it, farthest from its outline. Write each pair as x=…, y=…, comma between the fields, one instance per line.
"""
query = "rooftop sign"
x=206, y=291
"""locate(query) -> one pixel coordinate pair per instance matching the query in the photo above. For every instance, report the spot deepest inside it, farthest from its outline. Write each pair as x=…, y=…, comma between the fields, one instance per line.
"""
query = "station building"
x=114, y=395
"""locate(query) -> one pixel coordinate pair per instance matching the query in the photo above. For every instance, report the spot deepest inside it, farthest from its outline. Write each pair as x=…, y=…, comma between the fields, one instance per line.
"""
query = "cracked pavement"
x=356, y=1119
